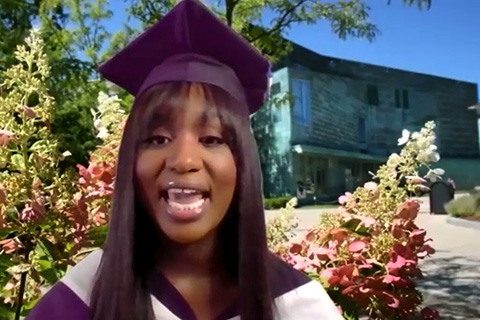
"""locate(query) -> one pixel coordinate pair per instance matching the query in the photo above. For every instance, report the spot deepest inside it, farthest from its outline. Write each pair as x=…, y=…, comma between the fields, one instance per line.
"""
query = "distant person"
x=187, y=236
x=301, y=191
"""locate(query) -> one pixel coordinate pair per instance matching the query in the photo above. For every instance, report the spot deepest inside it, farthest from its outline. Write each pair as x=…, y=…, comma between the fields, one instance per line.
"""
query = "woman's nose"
x=185, y=155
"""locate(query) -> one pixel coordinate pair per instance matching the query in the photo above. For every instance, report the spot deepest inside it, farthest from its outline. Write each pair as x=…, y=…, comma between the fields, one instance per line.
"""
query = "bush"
x=367, y=255
x=38, y=238
x=280, y=228
x=466, y=206
x=275, y=203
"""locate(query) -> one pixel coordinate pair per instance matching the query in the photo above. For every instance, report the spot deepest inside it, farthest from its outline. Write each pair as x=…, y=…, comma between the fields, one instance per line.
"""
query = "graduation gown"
x=296, y=296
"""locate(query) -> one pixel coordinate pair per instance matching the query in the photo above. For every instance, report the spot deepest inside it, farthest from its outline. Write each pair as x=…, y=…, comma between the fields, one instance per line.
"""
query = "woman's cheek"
x=145, y=166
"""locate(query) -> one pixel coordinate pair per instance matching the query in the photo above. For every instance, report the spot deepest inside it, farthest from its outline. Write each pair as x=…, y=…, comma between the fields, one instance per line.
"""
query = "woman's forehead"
x=193, y=106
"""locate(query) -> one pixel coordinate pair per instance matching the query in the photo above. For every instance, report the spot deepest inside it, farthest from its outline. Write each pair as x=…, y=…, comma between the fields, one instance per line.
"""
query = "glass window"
x=372, y=95
x=362, y=130
x=398, y=103
x=406, y=103
x=302, y=101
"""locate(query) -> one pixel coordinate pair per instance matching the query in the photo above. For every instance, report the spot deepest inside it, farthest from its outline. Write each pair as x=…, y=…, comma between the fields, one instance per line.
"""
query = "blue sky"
x=442, y=41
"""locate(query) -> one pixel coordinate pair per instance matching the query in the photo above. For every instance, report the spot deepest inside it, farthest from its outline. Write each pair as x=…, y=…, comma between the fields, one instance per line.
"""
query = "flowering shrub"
x=280, y=227
x=36, y=236
x=92, y=201
x=367, y=254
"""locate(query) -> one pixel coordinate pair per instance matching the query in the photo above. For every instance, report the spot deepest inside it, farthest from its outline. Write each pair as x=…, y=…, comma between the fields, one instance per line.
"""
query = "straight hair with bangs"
x=120, y=291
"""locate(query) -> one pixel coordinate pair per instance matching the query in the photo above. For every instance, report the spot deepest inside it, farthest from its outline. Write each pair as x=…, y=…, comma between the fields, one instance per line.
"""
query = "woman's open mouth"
x=185, y=203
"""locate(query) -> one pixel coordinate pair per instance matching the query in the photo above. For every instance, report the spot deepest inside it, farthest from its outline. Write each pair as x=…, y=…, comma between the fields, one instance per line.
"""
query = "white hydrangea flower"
x=434, y=157
x=66, y=154
x=416, y=135
x=103, y=133
x=394, y=160
x=98, y=124
x=405, y=136
x=434, y=174
x=423, y=156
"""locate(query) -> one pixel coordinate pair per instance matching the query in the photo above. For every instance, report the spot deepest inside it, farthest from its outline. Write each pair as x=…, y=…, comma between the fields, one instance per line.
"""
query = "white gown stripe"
x=81, y=277
x=307, y=302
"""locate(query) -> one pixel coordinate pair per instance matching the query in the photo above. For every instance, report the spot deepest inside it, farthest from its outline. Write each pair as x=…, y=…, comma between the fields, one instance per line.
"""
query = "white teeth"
x=177, y=191
x=197, y=205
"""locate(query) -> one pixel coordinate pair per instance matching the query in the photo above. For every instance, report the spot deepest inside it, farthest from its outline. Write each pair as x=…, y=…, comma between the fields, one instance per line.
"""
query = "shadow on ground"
x=452, y=286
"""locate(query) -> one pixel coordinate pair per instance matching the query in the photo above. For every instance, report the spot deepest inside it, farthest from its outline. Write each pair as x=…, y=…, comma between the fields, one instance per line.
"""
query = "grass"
x=465, y=206
x=319, y=206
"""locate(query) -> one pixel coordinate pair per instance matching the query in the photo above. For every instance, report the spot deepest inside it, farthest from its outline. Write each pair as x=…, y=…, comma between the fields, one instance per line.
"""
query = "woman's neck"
x=200, y=259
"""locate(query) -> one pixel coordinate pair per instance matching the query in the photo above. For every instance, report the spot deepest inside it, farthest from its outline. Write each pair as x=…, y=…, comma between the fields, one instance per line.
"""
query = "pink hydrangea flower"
x=5, y=137
x=345, y=198
x=371, y=186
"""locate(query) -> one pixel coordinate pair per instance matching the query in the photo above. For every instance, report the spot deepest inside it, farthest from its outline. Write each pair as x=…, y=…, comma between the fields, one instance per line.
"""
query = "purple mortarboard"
x=191, y=44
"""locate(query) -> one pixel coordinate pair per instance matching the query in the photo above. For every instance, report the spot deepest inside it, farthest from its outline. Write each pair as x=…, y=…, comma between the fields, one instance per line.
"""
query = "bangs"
x=163, y=104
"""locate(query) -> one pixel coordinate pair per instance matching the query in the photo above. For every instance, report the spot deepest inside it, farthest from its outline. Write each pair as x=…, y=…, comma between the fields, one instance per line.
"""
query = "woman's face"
x=185, y=172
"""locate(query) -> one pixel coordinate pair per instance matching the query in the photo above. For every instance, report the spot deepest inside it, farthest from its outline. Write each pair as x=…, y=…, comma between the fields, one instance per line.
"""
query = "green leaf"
x=39, y=145
x=45, y=251
x=17, y=162
x=29, y=306
x=46, y=248
x=362, y=231
x=51, y=275
x=6, y=313
x=351, y=224
x=348, y=316
x=5, y=232
x=5, y=262
x=43, y=265
x=4, y=278
x=97, y=235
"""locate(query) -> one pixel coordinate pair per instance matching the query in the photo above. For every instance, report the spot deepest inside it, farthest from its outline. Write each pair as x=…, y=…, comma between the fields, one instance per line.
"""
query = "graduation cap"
x=191, y=44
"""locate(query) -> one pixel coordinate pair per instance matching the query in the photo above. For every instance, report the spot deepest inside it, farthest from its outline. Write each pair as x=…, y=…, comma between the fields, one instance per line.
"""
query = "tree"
x=347, y=18
x=74, y=45
x=15, y=22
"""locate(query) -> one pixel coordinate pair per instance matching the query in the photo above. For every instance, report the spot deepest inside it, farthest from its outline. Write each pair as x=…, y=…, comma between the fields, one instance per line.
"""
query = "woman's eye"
x=157, y=140
x=211, y=140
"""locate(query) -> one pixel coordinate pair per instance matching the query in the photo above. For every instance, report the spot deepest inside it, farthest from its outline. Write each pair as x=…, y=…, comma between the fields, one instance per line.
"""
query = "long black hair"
x=120, y=291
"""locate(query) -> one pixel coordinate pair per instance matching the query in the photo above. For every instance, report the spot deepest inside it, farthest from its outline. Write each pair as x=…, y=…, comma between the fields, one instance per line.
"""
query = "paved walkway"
x=451, y=282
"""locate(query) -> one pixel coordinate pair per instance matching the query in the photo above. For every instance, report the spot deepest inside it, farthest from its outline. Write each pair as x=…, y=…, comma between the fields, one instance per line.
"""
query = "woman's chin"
x=185, y=235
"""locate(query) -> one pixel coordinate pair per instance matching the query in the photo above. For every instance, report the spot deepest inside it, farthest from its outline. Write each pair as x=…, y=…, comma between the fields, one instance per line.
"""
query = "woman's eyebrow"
x=159, y=118
x=210, y=117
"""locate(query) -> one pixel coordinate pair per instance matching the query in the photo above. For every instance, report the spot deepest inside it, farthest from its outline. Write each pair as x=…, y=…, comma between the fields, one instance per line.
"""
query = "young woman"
x=187, y=233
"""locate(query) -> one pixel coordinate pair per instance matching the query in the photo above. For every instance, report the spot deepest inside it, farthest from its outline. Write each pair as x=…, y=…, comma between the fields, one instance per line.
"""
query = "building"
x=476, y=109
x=346, y=117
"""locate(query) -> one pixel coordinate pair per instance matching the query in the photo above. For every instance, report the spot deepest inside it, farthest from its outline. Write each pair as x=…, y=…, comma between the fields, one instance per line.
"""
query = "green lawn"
x=319, y=206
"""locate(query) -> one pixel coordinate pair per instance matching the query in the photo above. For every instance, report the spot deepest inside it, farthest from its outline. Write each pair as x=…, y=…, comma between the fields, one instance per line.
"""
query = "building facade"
x=345, y=117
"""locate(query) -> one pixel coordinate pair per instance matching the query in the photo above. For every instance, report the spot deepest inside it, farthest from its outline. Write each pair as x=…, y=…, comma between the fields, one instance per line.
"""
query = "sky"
x=443, y=41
